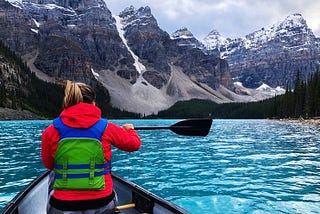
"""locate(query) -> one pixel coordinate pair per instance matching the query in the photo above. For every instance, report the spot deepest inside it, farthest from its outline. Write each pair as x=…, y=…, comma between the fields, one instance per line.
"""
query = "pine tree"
x=298, y=99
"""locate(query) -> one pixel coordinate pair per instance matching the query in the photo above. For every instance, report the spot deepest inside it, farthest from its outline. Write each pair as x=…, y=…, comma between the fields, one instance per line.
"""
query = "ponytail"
x=72, y=95
x=76, y=93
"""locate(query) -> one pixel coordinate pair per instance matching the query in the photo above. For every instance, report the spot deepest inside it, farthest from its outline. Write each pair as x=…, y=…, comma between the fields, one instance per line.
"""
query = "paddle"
x=189, y=127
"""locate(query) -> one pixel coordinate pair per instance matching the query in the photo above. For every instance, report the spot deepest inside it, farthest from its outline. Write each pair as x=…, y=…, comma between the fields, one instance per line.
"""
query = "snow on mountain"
x=292, y=25
x=260, y=93
x=16, y=3
x=271, y=55
x=141, y=17
x=276, y=91
x=214, y=40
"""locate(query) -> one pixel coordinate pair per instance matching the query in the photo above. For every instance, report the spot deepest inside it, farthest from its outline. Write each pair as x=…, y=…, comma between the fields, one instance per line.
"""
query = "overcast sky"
x=232, y=18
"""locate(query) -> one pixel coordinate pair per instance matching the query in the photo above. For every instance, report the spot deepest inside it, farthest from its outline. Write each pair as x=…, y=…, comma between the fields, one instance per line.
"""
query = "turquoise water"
x=243, y=166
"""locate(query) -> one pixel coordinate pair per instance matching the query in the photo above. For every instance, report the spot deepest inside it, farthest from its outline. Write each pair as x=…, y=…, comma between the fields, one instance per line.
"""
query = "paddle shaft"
x=160, y=127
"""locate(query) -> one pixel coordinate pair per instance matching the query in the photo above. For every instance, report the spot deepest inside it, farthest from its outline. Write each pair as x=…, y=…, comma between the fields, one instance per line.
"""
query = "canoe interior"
x=34, y=198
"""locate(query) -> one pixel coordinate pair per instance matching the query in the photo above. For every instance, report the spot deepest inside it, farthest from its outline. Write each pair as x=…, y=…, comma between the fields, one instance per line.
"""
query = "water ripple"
x=243, y=166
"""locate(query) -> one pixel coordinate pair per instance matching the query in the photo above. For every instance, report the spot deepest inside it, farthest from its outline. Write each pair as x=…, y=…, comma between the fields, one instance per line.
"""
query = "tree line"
x=301, y=101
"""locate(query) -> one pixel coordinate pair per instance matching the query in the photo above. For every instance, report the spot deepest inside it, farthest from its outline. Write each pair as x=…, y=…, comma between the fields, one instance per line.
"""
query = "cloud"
x=232, y=18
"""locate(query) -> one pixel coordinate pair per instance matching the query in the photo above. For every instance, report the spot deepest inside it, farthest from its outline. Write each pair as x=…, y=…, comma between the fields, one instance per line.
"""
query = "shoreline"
x=12, y=114
x=311, y=121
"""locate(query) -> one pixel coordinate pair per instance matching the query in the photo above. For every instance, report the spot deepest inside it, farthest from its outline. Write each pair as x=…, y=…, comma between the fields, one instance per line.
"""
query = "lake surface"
x=242, y=166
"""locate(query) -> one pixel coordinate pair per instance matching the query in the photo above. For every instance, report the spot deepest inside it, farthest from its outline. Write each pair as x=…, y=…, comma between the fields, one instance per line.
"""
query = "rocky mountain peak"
x=293, y=20
x=292, y=26
x=183, y=37
x=182, y=33
x=142, y=17
x=213, y=33
x=133, y=11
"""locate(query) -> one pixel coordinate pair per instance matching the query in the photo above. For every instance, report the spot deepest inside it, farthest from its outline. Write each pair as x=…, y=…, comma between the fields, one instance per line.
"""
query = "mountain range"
x=271, y=55
x=145, y=69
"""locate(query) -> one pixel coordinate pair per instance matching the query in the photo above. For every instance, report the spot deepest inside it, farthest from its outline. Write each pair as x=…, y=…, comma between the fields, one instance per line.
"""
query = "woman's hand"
x=128, y=126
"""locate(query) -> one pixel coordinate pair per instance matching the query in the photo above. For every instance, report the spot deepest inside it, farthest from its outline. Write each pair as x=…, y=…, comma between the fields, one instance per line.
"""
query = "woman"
x=77, y=147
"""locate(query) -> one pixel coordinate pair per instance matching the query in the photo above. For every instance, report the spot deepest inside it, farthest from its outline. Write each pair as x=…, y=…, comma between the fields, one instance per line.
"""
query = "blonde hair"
x=76, y=92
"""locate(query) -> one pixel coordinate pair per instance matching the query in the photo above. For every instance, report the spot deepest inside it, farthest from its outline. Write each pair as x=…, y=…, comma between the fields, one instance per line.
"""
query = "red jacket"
x=84, y=115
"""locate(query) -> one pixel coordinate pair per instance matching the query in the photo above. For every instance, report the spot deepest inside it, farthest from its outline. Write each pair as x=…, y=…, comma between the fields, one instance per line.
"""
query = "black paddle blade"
x=192, y=127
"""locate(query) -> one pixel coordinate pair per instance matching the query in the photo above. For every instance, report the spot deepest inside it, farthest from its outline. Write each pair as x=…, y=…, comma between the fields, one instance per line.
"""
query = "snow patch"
x=264, y=91
x=16, y=3
x=35, y=30
x=238, y=84
x=138, y=65
x=266, y=88
x=95, y=74
x=37, y=23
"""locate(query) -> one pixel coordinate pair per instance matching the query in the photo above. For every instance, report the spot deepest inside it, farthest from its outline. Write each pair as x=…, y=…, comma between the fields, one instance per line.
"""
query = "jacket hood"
x=82, y=115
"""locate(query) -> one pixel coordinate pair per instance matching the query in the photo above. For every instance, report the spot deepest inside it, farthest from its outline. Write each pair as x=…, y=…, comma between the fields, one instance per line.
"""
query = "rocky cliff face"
x=271, y=55
x=149, y=42
x=17, y=28
x=205, y=68
x=162, y=64
x=158, y=51
x=73, y=38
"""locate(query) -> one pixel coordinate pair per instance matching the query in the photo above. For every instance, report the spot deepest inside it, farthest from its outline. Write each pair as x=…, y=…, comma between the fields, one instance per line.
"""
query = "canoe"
x=131, y=198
